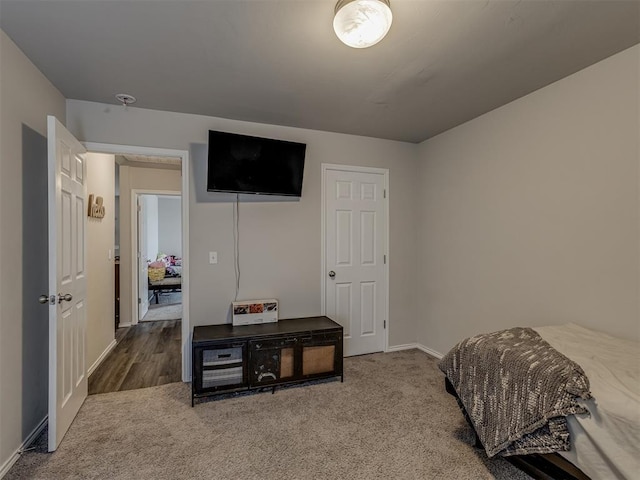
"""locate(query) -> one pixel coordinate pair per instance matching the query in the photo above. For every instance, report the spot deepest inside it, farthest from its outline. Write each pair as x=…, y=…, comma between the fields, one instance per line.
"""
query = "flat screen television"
x=245, y=164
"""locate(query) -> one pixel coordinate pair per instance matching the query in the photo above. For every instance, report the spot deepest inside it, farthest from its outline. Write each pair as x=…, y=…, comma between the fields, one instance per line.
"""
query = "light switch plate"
x=213, y=257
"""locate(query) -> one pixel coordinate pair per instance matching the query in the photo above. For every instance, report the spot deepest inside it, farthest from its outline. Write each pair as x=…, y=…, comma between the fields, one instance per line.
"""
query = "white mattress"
x=606, y=443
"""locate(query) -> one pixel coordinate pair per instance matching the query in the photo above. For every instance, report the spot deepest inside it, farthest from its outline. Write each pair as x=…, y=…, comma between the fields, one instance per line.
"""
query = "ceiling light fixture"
x=362, y=23
x=125, y=99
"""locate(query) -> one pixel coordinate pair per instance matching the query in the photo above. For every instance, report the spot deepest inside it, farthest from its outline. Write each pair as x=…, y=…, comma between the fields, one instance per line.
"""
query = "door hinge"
x=139, y=301
x=385, y=323
x=384, y=193
x=385, y=259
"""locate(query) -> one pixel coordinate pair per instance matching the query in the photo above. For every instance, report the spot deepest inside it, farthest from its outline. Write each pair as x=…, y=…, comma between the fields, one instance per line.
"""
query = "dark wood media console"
x=229, y=359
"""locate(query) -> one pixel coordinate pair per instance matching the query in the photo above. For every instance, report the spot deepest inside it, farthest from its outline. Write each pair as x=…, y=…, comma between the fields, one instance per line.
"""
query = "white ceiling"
x=444, y=61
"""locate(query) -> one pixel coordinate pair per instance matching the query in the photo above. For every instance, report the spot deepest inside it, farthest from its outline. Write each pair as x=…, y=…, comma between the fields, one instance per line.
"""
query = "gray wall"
x=169, y=221
x=529, y=214
x=279, y=239
x=27, y=97
x=150, y=225
x=35, y=278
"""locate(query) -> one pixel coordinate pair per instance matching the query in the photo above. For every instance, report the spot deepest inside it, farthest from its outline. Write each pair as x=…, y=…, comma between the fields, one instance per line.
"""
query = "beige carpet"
x=391, y=418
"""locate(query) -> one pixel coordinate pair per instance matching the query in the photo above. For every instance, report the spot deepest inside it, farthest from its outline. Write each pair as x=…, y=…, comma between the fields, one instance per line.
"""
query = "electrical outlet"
x=213, y=257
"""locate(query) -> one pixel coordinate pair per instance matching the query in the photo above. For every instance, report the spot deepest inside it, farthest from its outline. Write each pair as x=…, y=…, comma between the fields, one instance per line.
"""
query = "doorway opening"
x=159, y=257
x=151, y=230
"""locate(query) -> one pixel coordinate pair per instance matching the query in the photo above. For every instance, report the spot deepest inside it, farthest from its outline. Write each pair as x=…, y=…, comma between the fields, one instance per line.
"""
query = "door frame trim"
x=135, y=272
x=323, y=231
x=119, y=149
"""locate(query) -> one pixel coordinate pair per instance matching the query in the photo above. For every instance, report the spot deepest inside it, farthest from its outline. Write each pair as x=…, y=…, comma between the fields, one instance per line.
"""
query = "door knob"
x=47, y=299
x=332, y=274
x=67, y=297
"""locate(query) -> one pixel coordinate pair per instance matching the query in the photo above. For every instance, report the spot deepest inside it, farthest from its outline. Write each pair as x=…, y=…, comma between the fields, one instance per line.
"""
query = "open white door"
x=67, y=279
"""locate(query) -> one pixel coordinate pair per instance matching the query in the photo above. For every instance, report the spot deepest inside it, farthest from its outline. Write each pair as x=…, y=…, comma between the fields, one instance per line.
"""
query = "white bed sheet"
x=606, y=443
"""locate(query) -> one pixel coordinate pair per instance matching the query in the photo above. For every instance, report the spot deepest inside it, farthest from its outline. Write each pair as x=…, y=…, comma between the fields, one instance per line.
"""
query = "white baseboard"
x=124, y=324
x=429, y=351
x=102, y=356
x=409, y=346
x=6, y=466
x=405, y=346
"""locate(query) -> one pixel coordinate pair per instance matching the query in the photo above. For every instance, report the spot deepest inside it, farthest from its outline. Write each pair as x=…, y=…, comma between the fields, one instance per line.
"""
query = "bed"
x=599, y=418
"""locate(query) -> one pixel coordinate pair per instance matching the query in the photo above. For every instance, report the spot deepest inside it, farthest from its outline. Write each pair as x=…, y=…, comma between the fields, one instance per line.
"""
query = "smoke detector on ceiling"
x=125, y=99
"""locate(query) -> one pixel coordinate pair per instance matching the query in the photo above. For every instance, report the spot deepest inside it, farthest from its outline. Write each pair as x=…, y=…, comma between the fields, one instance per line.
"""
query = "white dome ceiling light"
x=362, y=23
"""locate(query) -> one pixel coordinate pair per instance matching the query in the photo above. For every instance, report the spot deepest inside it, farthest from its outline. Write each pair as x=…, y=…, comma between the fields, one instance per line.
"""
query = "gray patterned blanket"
x=517, y=390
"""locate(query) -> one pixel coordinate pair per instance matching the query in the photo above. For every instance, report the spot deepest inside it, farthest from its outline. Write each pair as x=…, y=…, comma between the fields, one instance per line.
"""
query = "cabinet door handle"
x=306, y=339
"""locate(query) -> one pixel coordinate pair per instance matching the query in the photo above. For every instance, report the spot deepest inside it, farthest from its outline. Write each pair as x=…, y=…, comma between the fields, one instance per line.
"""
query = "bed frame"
x=551, y=466
x=169, y=284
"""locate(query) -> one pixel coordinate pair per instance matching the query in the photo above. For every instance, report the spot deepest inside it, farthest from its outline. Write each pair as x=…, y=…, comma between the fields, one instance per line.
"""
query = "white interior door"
x=67, y=279
x=355, y=273
x=143, y=266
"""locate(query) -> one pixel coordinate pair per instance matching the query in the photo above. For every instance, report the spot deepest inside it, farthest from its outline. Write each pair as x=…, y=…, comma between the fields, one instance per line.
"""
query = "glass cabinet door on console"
x=271, y=361
x=294, y=358
x=219, y=367
x=321, y=355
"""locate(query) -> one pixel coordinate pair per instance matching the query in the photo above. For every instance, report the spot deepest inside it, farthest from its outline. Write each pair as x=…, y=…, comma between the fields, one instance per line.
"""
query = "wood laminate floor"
x=148, y=354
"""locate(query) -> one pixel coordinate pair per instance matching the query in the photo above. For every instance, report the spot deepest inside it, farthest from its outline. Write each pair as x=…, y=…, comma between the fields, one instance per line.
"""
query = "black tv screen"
x=244, y=164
